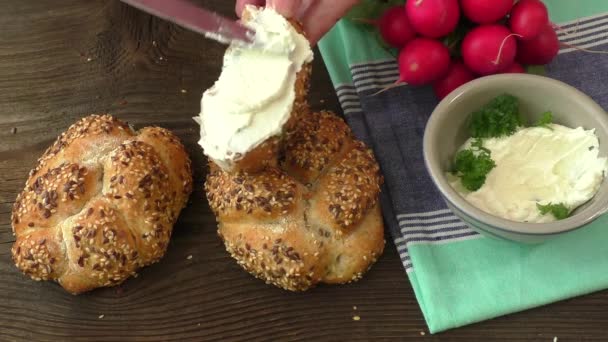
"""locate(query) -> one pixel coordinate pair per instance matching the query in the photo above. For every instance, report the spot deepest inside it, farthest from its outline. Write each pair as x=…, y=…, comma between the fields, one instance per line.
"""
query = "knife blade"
x=197, y=19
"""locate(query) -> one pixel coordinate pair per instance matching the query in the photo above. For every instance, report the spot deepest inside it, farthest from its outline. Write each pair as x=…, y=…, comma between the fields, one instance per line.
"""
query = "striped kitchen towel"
x=459, y=276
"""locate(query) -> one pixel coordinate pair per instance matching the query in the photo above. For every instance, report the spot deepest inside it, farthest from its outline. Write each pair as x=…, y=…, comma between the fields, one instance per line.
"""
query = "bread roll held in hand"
x=298, y=204
x=100, y=204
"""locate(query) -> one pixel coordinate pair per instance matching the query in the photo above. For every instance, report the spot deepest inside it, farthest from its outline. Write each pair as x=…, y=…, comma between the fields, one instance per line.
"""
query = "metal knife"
x=197, y=19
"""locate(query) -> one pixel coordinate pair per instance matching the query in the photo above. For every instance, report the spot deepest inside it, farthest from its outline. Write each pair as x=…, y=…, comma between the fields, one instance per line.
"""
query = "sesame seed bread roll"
x=100, y=204
x=313, y=218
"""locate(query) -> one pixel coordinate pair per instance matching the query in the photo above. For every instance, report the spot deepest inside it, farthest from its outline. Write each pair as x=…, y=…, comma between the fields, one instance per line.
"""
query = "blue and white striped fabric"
x=393, y=123
x=460, y=277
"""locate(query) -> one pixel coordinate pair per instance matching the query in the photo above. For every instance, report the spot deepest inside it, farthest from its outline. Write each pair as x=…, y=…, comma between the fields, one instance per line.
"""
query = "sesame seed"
x=356, y=318
x=101, y=316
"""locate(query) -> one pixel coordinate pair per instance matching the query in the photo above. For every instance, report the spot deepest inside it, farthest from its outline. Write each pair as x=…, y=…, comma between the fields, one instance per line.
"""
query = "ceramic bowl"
x=446, y=131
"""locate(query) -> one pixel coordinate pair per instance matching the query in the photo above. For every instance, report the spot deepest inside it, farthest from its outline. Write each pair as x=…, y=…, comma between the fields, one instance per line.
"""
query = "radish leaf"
x=371, y=9
x=536, y=70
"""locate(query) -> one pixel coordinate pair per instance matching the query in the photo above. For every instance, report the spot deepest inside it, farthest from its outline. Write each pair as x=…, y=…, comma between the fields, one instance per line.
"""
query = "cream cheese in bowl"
x=537, y=169
x=585, y=124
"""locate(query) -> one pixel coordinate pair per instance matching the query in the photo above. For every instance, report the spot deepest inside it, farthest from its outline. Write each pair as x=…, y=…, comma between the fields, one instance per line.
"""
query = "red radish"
x=514, y=68
x=457, y=75
x=528, y=18
x=433, y=18
x=488, y=49
x=485, y=11
x=423, y=61
x=395, y=27
x=540, y=50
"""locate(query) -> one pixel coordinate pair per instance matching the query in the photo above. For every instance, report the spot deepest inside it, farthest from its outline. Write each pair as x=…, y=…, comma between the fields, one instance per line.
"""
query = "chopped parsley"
x=545, y=120
x=473, y=166
x=478, y=144
x=559, y=211
x=500, y=117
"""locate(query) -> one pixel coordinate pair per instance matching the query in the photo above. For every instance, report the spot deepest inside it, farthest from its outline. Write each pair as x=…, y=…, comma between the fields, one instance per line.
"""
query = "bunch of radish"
x=447, y=43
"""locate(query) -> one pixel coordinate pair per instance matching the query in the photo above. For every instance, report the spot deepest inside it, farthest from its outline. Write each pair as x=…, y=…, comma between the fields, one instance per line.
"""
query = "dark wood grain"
x=61, y=60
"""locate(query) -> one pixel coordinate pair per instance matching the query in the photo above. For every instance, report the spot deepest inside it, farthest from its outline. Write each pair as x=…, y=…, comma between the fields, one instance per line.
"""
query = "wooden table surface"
x=61, y=60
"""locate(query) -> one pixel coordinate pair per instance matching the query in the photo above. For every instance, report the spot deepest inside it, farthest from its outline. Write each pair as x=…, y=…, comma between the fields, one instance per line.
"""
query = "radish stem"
x=394, y=85
x=497, y=60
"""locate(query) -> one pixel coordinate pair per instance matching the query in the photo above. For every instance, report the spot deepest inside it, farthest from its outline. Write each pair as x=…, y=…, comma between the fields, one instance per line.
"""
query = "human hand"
x=317, y=16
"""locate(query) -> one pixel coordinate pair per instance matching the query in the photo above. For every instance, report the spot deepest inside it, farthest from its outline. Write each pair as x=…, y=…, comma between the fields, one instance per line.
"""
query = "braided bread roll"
x=100, y=204
x=316, y=218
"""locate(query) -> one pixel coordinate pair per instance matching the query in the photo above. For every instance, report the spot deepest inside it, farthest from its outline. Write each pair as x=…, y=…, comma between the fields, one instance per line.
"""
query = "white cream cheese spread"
x=254, y=95
x=538, y=165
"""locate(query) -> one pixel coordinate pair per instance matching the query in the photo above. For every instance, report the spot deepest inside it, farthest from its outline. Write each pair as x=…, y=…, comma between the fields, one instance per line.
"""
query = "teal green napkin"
x=459, y=276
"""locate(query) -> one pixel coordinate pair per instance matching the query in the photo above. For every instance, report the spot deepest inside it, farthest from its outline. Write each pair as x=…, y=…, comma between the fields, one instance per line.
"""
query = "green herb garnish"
x=559, y=211
x=497, y=118
x=478, y=145
x=473, y=167
x=545, y=120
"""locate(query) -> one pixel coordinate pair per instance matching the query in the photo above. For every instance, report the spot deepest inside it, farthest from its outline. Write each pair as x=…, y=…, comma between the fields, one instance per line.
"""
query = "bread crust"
x=100, y=204
x=312, y=219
